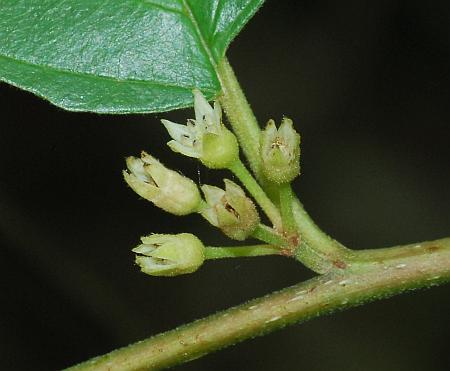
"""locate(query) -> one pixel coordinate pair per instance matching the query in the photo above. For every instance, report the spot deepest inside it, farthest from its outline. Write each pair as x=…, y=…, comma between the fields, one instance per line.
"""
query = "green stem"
x=240, y=115
x=286, y=200
x=317, y=250
x=240, y=251
x=243, y=122
x=238, y=169
x=268, y=235
x=360, y=282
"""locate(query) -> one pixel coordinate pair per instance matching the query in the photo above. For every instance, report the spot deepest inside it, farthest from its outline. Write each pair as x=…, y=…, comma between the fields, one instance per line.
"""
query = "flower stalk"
x=240, y=251
x=270, y=236
x=272, y=212
x=286, y=200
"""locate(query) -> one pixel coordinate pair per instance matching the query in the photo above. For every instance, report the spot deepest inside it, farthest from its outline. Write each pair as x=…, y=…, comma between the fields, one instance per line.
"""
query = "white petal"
x=213, y=194
x=144, y=189
x=152, y=266
x=271, y=129
x=144, y=249
x=158, y=172
x=232, y=189
x=201, y=106
x=211, y=216
x=136, y=167
x=148, y=159
x=156, y=239
x=189, y=151
x=197, y=129
x=286, y=129
x=176, y=131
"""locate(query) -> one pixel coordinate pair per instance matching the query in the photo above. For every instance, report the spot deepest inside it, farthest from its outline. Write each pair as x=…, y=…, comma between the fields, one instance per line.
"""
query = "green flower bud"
x=280, y=152
x=230, y=210
x=205, y=138
x=166, y=188
x=170, y=255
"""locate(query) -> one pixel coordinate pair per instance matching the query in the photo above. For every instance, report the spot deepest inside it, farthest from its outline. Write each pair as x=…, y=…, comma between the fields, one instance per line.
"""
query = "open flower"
x=230, y=210
x=280, y=151
x=205, y=137
x=169, y=255
x=166, y=188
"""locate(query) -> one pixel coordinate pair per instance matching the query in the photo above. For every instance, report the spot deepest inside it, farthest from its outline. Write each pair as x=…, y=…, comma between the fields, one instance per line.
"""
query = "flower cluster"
x=229, y=209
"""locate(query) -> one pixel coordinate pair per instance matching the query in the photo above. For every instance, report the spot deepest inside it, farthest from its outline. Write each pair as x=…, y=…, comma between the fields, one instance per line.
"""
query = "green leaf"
x=118, y=56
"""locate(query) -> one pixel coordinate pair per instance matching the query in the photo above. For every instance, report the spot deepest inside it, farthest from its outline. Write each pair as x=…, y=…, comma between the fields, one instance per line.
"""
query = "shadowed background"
x=367, y=85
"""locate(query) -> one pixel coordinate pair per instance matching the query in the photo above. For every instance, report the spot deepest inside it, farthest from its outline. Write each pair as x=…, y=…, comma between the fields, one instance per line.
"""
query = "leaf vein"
x=217, y=16
x=200, y=35
x=164, y=7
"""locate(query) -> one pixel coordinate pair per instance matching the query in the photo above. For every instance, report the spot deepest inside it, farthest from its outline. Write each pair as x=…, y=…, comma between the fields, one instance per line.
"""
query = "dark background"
x=368, y=86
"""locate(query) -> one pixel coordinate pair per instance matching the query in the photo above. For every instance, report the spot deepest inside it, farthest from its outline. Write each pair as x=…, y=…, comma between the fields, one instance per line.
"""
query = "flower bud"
x=169, y=255
x=280, y=152
x=205, y=138
x=230, y=210
x=166, y=188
